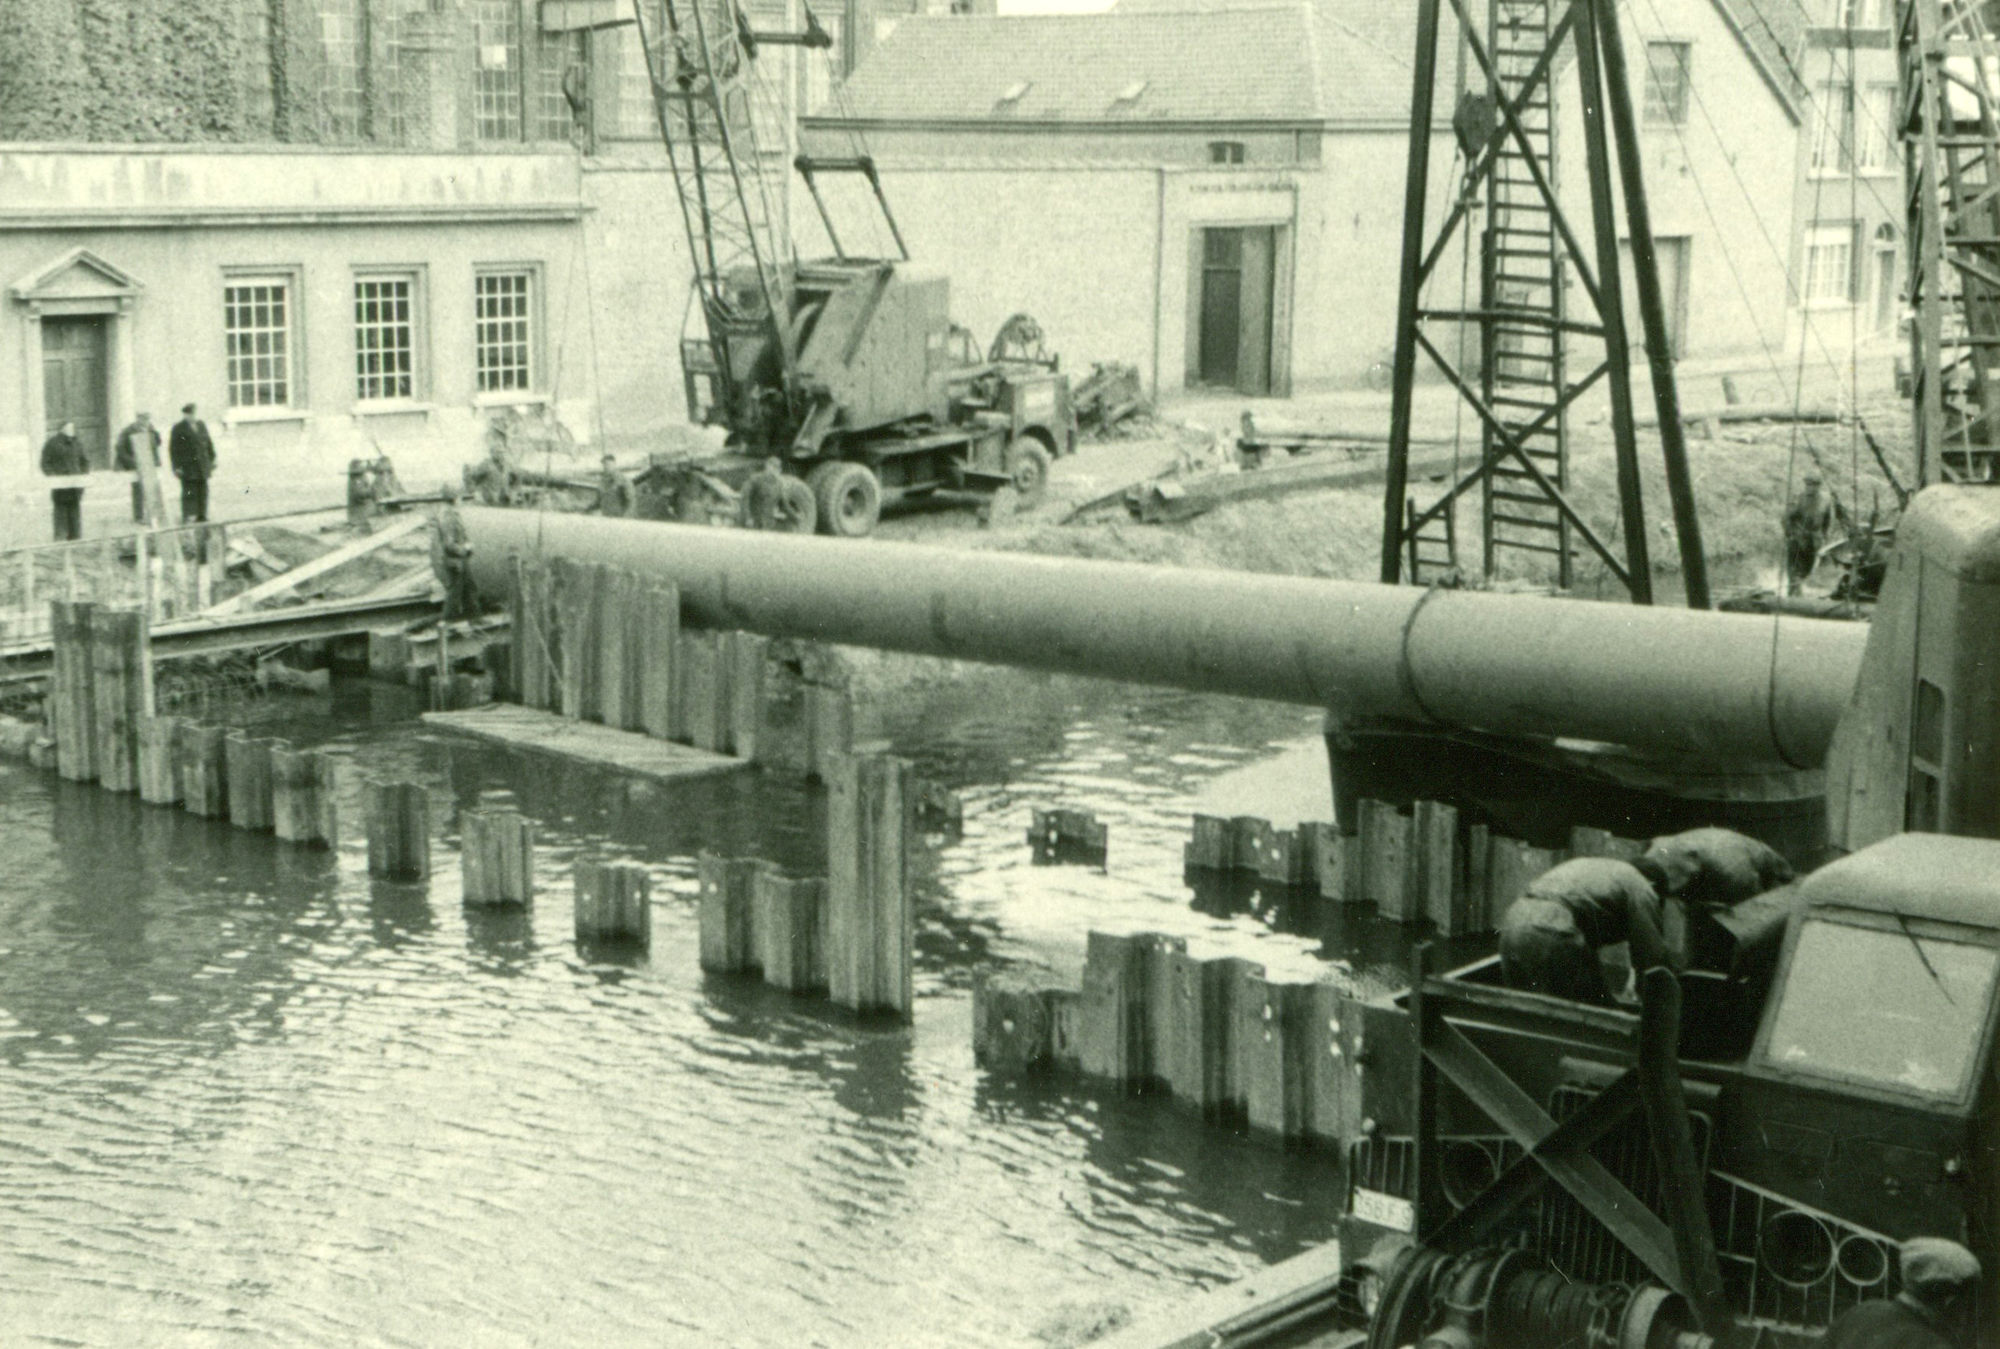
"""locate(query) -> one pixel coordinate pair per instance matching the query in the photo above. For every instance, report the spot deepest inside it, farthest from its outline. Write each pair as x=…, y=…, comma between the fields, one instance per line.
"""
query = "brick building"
x=333, y=224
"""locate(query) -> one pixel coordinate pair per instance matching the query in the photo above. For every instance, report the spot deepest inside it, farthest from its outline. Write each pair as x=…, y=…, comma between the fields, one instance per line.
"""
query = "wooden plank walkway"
x=586, y=742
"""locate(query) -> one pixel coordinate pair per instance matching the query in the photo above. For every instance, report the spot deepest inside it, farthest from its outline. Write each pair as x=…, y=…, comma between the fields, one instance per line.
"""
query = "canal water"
x=248, y=1094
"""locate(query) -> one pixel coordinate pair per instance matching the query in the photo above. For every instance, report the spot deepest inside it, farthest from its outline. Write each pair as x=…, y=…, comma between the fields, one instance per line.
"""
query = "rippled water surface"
x=247, y=1094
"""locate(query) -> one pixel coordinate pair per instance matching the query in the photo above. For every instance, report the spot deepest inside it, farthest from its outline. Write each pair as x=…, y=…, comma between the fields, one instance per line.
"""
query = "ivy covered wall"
x=129, y=70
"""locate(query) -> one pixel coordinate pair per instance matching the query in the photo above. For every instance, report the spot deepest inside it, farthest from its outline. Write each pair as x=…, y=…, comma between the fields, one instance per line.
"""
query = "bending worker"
x=1550, y=936
x=1710, y=870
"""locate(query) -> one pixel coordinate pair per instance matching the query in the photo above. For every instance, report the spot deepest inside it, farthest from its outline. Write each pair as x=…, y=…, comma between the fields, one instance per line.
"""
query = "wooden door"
x=1238, y=266
x=74, y=387
x=1221, y=306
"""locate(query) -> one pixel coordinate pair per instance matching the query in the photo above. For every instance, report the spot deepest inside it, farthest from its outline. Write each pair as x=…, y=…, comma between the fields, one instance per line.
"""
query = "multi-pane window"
x=1225, y=152
x=257, y=336
x=343, y=46
x=1666, y=83
x=502, y=311
x=496, y=91
x=385, y=337
x=561, y=54
x=1881, y=148
x=1829, y=265
x=1833, y=129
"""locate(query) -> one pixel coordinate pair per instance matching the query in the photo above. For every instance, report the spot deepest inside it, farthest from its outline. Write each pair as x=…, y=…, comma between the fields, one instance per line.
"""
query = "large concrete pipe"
x=1731, y=686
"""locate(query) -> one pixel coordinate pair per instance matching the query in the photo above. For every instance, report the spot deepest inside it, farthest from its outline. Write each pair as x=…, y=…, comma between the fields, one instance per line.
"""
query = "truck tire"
x=1028, y=469
x=800, y=513
x=849, y=497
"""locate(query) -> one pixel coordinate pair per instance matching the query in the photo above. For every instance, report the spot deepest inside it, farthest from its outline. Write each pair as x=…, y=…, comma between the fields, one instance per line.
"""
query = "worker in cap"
x=1709, y=870
x=1932, y=1312
x=1550, y=936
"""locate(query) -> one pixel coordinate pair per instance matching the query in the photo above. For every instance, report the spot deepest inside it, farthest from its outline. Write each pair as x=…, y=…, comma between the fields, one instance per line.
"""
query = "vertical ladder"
x=1433, y=546
x=1521, y=296
x=1951, y=114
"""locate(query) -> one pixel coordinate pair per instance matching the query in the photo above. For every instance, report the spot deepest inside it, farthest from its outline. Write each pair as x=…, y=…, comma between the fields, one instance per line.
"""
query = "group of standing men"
x=190, y=450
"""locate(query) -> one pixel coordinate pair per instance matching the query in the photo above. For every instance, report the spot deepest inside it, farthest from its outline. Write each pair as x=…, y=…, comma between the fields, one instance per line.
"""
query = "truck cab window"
x=1891, y=1007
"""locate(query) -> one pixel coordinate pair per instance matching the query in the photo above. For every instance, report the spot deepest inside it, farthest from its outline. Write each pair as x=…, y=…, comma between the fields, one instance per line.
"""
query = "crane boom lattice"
x=705, y=101
x=1950, y=99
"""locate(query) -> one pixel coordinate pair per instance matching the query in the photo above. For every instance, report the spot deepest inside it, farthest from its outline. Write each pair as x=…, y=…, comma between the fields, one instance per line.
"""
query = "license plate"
x=1384, y=1210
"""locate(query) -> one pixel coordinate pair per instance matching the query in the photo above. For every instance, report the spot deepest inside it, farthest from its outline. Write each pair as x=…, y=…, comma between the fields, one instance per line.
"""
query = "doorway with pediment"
x=77, y=349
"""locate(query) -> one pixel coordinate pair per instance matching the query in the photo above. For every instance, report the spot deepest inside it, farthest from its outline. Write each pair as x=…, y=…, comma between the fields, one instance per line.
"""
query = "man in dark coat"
x=63, y=457
x=1710, y=871
x=125, y=458
x=1939, y=1277
x=193, y=455
x=1550, y=936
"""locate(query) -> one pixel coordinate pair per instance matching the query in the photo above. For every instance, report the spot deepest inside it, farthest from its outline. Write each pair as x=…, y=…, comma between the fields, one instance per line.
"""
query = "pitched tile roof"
x=1251, y=61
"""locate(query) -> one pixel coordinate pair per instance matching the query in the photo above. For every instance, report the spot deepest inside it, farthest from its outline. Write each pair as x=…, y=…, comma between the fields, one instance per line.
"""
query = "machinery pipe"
x=1746, y=688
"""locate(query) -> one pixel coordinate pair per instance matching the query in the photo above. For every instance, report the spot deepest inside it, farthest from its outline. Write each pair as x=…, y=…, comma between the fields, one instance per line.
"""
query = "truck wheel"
x=1028, y=467
x=798, y=513
x=850, y=499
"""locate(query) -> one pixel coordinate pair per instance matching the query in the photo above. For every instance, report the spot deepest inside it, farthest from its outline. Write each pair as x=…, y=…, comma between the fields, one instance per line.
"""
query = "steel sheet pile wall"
x=606, y=644
x=1220, y=1034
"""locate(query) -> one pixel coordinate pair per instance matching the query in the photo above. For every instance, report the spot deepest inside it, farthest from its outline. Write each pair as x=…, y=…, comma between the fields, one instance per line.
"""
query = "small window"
x=257, y=341
x=1666, y=83
x=385, y=337
x=1833, y=130
x=1927, y=724
x=1829, y=266
x=1225, y=152
x=1881, y=146
x=503, y=325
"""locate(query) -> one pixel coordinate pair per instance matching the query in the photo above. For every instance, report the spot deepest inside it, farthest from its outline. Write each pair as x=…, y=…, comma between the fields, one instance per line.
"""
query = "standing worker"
x=764, y=496
x=193, y=454
x=1550, y=936
x=1939, y=1278
x=126, y=459
x=63, y=457
x=1807, y=520
x=614, y=489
